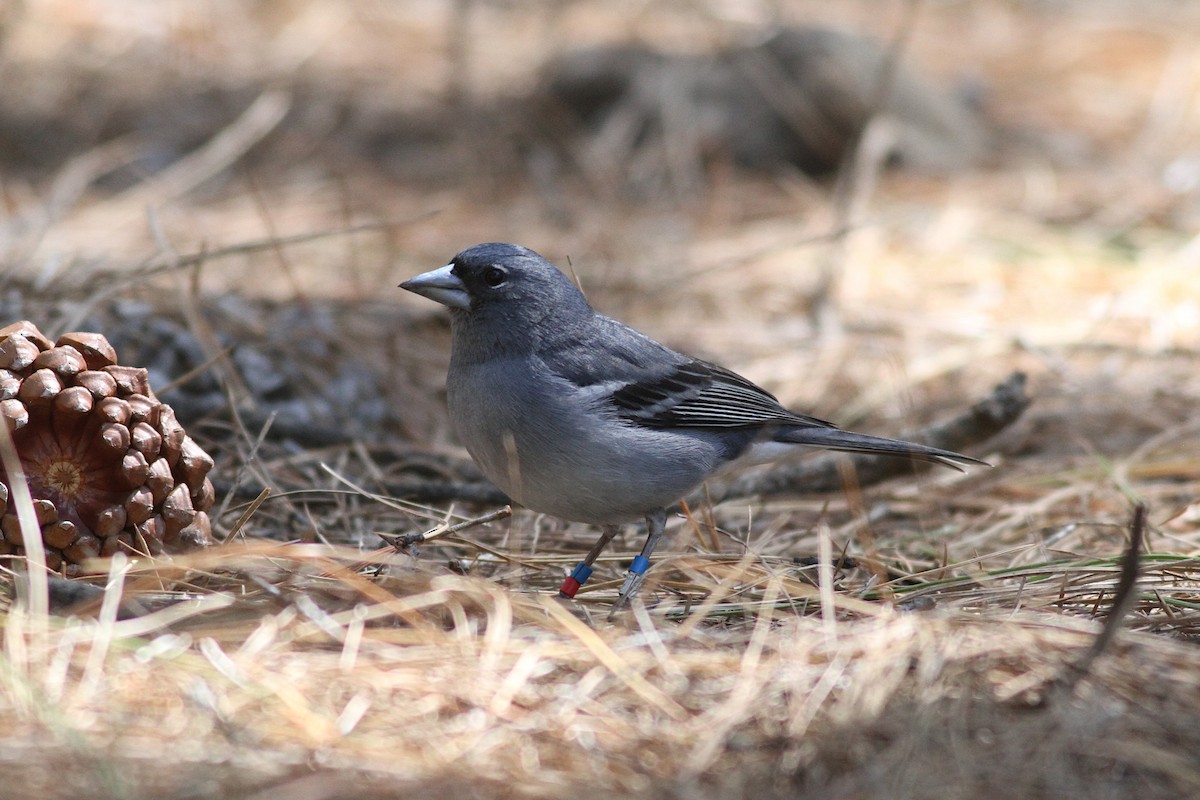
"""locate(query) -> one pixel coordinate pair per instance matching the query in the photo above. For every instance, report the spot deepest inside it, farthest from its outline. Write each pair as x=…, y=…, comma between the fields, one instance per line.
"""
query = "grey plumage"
x=574, y=414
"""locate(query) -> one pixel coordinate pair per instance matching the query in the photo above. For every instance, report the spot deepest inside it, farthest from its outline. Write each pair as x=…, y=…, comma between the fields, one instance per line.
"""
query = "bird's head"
x=503, y=292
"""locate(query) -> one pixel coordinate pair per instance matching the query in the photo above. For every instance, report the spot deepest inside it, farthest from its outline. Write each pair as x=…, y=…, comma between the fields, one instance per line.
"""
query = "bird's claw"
x=633, y=583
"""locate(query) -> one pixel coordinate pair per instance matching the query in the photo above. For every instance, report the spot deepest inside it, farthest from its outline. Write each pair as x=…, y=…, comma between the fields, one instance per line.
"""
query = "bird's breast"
x=553, y=448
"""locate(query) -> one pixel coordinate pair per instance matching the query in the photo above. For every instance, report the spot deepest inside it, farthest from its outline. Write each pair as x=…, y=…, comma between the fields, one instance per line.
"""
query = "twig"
x=115, y=283
x=406, y=541
x=214, y=156
x=249, y=512
x=1123, y=599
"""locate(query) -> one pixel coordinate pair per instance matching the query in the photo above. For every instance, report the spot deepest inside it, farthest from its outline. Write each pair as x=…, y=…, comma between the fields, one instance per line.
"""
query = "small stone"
x=259, y=371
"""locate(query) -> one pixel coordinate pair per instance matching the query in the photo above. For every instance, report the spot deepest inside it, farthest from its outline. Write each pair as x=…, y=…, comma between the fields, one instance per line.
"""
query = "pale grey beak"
x=441, y=285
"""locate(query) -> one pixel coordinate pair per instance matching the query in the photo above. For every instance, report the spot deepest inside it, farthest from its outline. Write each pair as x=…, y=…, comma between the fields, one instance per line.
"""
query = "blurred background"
x=875, y=209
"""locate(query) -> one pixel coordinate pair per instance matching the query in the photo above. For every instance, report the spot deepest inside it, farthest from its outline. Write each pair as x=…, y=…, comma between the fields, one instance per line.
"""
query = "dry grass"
x=289, y=668
x=930, y=665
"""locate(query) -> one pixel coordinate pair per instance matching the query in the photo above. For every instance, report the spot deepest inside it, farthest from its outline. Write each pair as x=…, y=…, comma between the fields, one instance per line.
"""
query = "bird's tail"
x=850, y=442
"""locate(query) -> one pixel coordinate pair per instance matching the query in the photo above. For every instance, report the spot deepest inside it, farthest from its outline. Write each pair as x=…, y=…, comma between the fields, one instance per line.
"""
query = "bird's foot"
x=633, y=584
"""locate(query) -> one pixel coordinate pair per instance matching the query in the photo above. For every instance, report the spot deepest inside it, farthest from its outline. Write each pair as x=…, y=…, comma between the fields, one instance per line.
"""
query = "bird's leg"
x=656, y=523
x=583, y=570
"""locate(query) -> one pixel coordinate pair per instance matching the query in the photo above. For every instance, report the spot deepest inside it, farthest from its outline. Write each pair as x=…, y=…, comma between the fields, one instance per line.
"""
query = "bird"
x=574, y=414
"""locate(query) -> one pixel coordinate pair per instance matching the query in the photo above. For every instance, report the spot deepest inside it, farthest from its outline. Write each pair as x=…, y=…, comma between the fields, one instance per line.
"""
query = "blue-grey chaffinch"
x=574, y=414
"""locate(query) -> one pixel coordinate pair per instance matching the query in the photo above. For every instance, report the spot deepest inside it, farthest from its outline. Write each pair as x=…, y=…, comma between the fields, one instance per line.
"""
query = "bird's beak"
x=441, y=285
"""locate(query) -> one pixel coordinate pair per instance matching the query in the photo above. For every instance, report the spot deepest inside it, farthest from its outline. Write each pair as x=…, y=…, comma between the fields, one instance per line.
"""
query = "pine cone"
x=108, y=465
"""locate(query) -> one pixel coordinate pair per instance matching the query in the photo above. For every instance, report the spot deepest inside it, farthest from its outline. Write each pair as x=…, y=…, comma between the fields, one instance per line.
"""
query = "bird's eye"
x=493, y=276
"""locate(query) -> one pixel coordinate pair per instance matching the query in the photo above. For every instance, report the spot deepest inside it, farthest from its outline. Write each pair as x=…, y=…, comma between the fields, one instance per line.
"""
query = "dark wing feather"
x=652, y=385
x=648, y=384
x=697, y=394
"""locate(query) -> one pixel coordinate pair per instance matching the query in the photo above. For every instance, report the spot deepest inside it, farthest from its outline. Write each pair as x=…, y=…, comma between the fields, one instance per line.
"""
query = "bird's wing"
x=702, y=395
x=644, y=383
x=651, y=385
